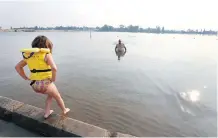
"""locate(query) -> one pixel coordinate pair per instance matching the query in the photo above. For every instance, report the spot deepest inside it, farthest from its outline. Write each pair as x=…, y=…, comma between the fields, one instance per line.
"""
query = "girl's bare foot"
x=66, y=110
x=48, y=113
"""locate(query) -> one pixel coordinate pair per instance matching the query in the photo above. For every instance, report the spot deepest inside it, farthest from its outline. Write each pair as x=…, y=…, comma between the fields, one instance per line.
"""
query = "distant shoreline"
x=42, y=31
x=110, y=28
x=28, y=30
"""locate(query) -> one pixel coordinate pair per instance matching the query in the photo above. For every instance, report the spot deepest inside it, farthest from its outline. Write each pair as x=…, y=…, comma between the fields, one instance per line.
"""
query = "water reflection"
x=191, y=96
x=188, y=101
x=120, y=52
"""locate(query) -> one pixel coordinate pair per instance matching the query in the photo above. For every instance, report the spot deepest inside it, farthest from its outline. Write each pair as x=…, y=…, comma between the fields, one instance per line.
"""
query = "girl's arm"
x=20, y=71
x=50, y=61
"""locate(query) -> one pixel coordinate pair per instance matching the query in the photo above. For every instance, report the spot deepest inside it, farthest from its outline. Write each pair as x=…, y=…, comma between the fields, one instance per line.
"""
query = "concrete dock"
x=31, y=118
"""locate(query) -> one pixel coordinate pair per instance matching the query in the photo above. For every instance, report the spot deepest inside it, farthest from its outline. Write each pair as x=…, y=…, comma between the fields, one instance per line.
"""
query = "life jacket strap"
x=32, y=82
x=35, y=71
x=31, y=54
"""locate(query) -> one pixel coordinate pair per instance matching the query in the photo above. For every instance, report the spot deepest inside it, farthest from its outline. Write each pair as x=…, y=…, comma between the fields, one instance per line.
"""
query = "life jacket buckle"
x=33, y=71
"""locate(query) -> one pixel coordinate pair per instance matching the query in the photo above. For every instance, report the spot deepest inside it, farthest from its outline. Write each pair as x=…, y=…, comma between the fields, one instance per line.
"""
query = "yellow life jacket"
x=34, y=57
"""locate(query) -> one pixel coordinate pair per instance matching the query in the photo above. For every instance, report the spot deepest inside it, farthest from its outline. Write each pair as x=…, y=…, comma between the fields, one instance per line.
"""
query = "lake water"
x=8, y=129
x=143, y=94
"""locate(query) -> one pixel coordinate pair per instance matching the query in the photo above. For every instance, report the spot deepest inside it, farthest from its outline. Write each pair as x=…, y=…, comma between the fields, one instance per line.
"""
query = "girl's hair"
x=42, y=42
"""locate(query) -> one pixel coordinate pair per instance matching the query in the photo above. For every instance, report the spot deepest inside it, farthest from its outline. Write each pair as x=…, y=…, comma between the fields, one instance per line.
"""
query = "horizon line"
x=117, y=26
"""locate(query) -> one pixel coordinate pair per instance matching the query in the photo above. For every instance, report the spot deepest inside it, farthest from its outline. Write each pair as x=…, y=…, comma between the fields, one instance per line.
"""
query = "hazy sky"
x=179, y=14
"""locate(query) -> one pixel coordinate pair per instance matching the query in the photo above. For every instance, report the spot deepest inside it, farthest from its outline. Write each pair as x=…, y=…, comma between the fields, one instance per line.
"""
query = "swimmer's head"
x=42, y=42
x=119, y=41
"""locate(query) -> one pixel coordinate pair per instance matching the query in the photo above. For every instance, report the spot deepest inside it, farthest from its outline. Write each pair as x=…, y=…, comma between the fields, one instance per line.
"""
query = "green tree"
x=162, y=30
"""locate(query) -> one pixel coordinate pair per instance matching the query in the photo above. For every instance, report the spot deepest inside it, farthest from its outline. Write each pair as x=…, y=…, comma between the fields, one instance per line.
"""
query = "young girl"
x=43, y=72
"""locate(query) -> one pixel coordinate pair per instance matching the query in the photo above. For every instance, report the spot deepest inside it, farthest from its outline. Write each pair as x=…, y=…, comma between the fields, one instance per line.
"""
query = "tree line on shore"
x=122, y=28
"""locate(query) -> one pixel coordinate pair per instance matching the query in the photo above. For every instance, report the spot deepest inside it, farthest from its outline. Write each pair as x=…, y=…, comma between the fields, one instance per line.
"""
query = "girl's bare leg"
x=48, y=106
x=53, y=92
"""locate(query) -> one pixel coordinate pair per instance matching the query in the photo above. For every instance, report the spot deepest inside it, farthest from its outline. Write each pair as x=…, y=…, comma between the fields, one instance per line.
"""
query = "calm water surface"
x=8, y=129
x=162, y=86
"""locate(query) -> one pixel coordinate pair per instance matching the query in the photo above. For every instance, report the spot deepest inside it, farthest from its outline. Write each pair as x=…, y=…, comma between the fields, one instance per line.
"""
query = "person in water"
x=120, y=49
x=43, y=72
x=120, y=46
